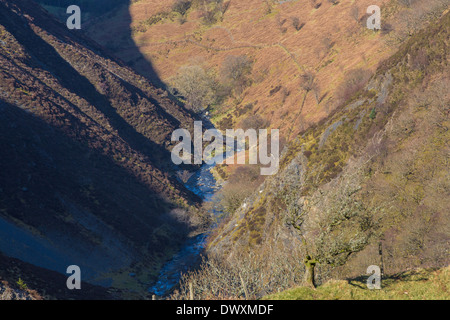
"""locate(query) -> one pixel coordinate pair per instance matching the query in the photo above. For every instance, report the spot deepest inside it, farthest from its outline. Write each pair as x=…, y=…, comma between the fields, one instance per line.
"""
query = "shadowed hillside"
x=120, y=30
x=86, y=176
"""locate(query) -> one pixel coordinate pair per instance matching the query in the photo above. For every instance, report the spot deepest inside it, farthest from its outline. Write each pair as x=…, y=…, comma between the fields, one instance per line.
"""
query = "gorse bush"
x=181, y=6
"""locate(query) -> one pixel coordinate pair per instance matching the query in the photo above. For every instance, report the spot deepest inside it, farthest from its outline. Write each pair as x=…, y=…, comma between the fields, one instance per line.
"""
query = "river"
x=203, y=184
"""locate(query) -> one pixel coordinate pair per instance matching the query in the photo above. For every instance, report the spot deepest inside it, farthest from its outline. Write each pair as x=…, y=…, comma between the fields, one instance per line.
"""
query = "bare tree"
x=235, y=72
x=332, y=226
x=243, y=275
x=196, y=86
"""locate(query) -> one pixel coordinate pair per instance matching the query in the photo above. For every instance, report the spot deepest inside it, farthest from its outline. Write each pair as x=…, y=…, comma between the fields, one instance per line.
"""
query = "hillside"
x=368, y=186
x=85, y=170
x=23, y=281
x=86, y=175
x=285, y=42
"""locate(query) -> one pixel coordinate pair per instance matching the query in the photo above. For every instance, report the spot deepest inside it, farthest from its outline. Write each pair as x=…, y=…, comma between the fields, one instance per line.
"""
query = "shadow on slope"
x=74, y=205
x=81, y=86
x=92, y=12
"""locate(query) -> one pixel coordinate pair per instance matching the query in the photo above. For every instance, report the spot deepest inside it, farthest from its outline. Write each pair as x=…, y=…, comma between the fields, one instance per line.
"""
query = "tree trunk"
x=310, y=265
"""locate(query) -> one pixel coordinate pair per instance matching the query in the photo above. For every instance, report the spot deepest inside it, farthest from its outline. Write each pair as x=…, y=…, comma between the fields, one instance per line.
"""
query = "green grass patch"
x=412, y=285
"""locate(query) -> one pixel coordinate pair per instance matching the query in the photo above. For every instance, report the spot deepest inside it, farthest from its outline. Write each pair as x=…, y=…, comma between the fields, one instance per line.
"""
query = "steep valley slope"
x=85, y=170
x=86, y=176
x=368, y=186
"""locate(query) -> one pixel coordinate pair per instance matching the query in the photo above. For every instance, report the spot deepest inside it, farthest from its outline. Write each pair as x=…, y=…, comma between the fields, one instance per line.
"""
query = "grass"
x=420, y=284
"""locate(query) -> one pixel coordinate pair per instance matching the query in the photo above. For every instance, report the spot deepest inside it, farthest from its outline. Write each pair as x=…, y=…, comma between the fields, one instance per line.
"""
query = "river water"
x=203, y=184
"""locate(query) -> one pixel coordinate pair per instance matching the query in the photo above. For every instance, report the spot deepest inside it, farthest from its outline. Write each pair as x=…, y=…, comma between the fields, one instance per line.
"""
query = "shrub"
x=196, y=86
x=239, y=185
x=235, y=72
x=354, y=81
x=308, y=81
x=226, y=123
x=268, y=6
x=212, y=10
x=316, y=4
x=209, y=17
x=254, y=122
x=386, y=28
x=296, y=23
x=274, y=90
x=22, y=285
x=243, y=276
x=420, y=60
x=181, y=6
